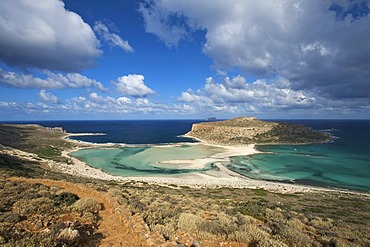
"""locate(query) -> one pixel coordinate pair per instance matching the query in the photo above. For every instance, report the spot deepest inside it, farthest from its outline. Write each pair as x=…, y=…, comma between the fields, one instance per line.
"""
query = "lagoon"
x=148, y=160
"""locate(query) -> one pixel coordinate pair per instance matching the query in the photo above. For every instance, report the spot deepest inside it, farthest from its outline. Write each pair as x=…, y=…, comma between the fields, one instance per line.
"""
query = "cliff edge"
x=250, y=130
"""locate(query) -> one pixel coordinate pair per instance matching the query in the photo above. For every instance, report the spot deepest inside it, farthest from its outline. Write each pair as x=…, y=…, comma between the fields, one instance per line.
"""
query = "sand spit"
x=223, y=178
x=212, y=179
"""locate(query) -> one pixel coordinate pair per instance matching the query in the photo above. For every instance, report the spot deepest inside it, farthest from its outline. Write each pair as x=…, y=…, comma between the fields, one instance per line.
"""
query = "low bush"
x=40, y=205
x=87, y=205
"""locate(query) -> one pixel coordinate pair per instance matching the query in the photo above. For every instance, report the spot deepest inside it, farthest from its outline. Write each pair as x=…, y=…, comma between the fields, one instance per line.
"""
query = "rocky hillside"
x=248, y=130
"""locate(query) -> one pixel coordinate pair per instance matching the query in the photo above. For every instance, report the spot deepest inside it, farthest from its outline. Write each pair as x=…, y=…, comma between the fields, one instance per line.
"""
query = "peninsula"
x=250, y=130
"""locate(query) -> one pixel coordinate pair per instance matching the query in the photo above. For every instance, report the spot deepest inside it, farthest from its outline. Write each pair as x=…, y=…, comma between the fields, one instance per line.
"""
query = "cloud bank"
x=237, y=96
x=43, y=34
x=317, y=45
x=51, y=80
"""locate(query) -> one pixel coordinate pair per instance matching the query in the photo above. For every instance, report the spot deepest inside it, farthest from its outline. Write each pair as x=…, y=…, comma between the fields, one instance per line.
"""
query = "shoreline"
x=223, y=178
x=85, y=134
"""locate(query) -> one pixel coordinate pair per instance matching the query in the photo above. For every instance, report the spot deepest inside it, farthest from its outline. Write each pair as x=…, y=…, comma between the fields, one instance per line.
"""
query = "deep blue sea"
x=343, y=163
x=126, y=131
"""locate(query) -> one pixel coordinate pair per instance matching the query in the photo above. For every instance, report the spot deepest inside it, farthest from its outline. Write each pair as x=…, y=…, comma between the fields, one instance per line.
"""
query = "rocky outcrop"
x=248, y=130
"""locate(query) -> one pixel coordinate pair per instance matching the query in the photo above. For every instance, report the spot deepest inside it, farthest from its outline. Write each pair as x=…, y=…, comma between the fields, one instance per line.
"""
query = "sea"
x=342, y=163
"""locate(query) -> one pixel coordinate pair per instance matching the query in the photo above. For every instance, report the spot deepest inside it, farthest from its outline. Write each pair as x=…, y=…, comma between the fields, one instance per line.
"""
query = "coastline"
x=85, y=134
x=222, y=178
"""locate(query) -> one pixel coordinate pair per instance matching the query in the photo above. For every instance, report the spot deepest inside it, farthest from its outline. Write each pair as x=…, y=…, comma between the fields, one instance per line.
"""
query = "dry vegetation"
x=34, y=214
x=250, y=217
x=37, y=215
x=35, y=139
x=249, y=130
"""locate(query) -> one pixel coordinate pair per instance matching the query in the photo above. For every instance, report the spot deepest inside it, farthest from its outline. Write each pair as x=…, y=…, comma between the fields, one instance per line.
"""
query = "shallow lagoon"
x=149, y=160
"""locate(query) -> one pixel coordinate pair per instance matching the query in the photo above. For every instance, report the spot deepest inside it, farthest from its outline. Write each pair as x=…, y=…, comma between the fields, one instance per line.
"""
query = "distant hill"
x=248, y=130
x=211, y=119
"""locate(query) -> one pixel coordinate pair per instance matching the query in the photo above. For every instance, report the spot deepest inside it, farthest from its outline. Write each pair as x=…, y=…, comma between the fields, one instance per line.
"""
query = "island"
x=250, y=130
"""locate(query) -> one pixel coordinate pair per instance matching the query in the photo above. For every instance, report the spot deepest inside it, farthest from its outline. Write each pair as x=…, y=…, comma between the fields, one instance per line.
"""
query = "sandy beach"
x=213, y=179
x=223, y=177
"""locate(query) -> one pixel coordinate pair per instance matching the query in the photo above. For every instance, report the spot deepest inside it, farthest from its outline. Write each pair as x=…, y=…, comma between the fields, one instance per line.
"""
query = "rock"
x=69, y=234
x=196, y=243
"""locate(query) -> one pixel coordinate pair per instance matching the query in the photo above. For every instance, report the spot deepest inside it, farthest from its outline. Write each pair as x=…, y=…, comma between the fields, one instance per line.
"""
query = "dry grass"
x=245, y=216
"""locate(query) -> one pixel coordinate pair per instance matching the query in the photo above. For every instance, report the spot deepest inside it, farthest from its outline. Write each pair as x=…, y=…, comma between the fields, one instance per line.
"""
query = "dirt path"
x=118, y=226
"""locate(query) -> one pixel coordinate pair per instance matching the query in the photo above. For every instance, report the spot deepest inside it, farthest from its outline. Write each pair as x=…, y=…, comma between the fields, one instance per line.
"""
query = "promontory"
x=250, y=130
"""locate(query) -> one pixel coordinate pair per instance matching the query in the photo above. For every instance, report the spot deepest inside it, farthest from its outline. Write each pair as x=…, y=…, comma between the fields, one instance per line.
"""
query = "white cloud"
x=123, y=101
x=189, y=96
x=112, y=38
x=43, y=34
x=203, y=104
x=316, y=45
x=133, y=85
x=48, y=97
x=52, y=80
x=156, y=22
x=99, y=104
x=237, y=96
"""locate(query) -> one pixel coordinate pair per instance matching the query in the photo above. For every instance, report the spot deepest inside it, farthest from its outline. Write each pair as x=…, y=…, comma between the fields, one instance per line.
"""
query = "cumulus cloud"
x=198, y=103
x=96, y=103
x=317, y=45
x=236, y=95
x=43, y=34
x=48, y=97
x=111, y=38
x=51, y=81
x=189, y=96
x=133, y=85
x=88, y=105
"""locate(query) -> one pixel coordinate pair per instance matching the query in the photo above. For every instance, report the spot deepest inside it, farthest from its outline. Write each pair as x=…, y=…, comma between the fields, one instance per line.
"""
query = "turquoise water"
x=343, y=163
x=142, y=161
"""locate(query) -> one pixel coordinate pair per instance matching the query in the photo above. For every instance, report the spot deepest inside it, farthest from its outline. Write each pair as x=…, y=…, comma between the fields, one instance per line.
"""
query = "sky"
x=184, y=59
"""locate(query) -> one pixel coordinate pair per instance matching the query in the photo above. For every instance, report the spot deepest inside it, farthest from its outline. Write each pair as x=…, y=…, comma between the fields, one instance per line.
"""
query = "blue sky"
x=124, y=59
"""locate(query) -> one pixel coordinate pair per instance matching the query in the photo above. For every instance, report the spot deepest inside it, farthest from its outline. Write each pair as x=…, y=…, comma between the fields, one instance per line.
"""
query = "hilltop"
x=250, y=130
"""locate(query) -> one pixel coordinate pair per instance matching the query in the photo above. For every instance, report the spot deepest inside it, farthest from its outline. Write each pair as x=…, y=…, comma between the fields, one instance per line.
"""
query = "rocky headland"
x=250, y=130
